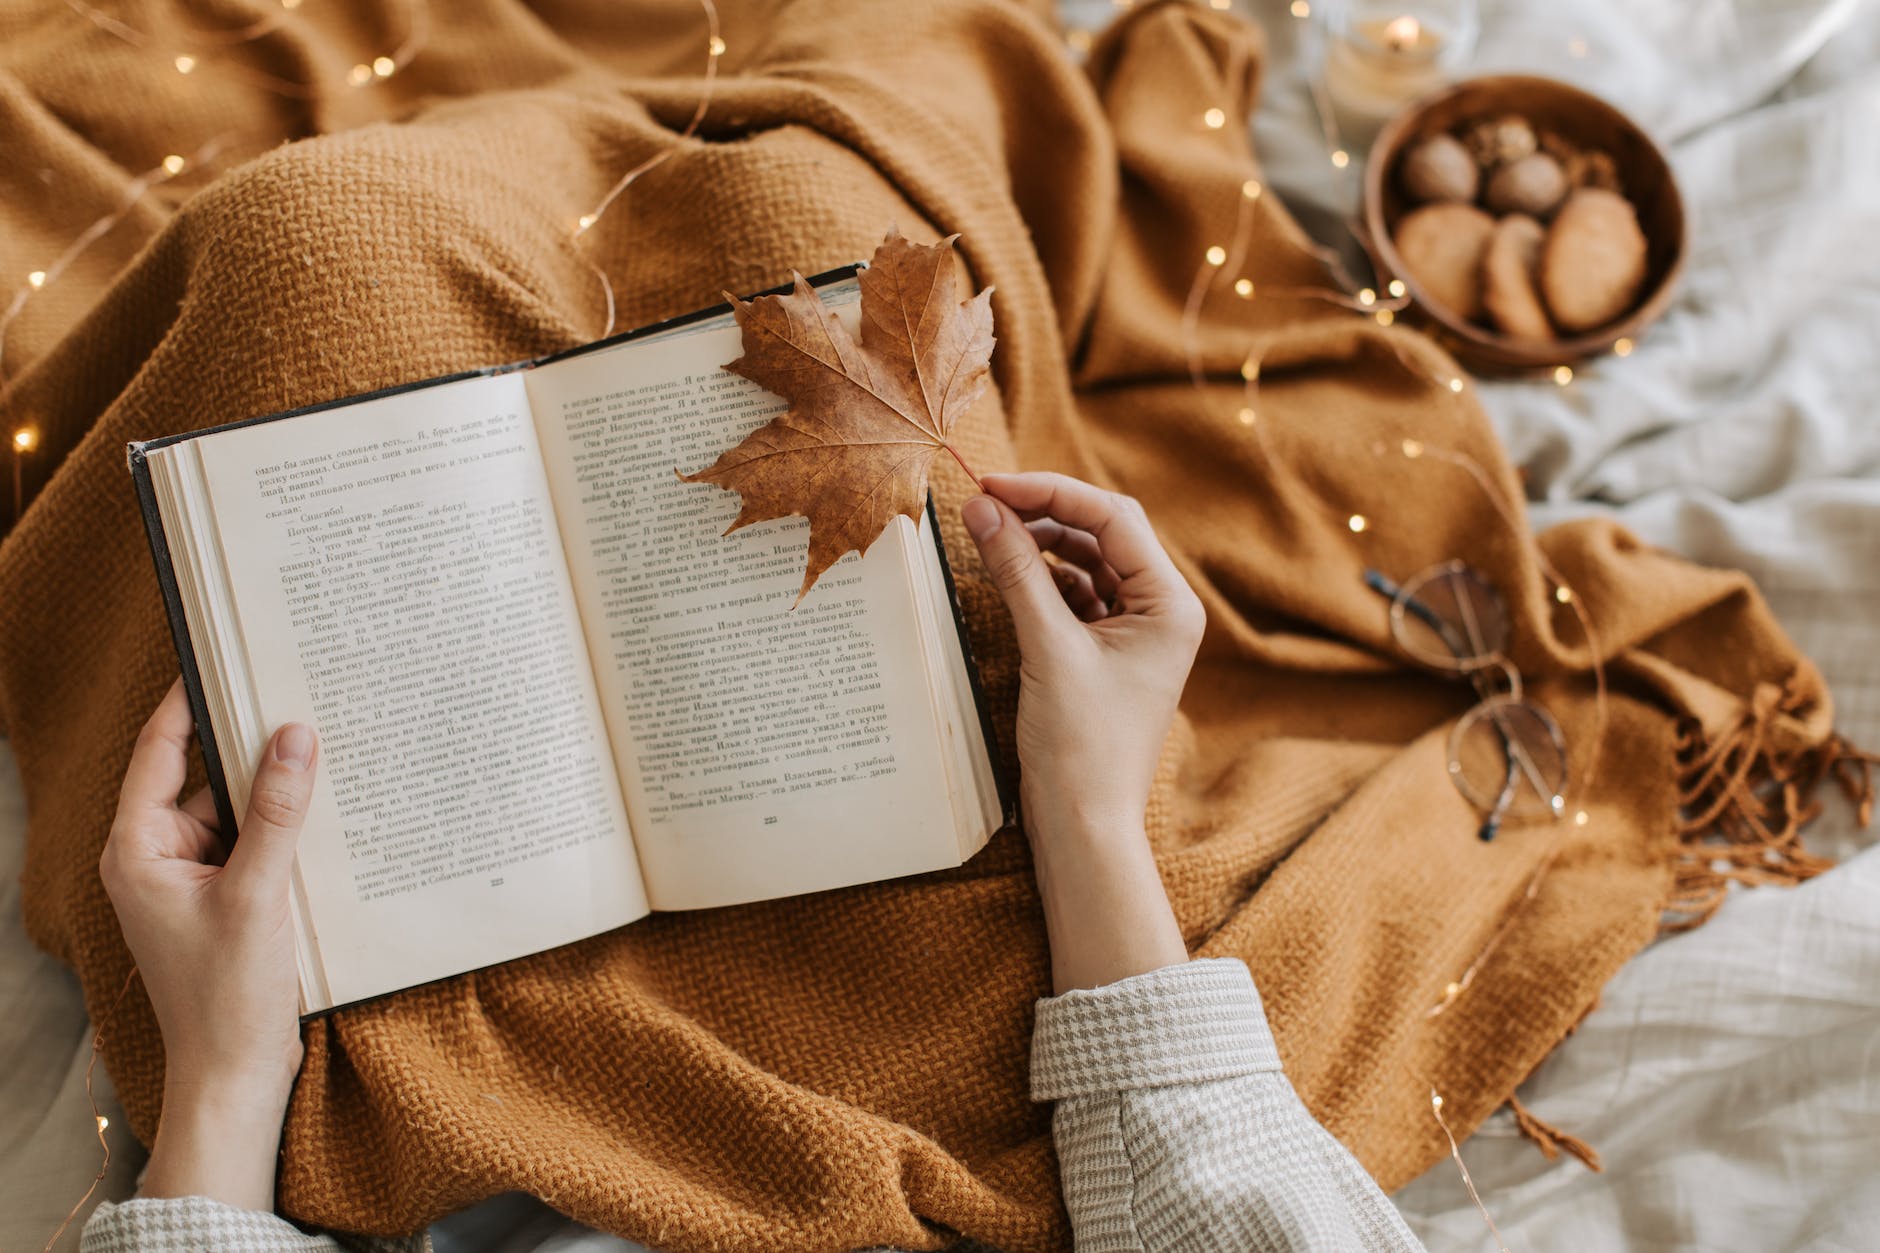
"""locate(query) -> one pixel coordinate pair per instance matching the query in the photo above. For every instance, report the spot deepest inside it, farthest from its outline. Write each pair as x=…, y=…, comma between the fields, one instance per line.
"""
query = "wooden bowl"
x=1644, y=178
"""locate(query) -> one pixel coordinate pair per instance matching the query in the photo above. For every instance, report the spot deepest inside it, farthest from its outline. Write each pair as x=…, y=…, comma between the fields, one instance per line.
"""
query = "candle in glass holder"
x=1379, y=60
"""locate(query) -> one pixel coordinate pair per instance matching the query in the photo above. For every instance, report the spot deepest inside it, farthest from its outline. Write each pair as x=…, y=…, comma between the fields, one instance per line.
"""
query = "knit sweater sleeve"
x=1177, y=1130
x=196, y=1224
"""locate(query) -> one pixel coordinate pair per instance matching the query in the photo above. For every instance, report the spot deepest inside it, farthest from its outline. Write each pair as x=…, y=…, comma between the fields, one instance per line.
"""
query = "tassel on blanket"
x=1550, y=1139
x=1742, y=804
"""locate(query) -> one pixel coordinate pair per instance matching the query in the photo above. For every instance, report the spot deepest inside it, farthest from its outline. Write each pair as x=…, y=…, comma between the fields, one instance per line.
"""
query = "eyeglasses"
x=1506, y=755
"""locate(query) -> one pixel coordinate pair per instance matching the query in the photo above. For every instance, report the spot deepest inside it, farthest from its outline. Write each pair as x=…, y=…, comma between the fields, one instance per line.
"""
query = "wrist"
x=218, y=1140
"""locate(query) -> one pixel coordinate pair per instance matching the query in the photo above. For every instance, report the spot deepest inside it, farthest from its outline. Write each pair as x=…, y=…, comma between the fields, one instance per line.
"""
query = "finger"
x=160, y=761
x=1079, y=593
x=1120, y=527
x=201, y=807
x=1077, y=547
x=277, y=806
x=1017, y=569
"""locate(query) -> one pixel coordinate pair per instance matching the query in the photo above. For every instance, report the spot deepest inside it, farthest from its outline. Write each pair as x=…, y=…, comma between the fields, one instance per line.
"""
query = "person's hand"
x=1106, y=637
x=213, y=938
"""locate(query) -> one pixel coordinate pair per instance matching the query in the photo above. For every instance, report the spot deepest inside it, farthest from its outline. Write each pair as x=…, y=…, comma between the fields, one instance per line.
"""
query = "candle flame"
x=1403, y=32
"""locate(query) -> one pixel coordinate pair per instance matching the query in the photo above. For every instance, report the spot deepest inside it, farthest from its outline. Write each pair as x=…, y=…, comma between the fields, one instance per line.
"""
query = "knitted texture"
x=1180, y=1134
x=846, y=1069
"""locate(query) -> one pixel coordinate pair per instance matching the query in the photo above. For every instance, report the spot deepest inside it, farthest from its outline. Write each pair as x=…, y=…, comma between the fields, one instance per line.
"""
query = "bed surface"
x=1731, y=1076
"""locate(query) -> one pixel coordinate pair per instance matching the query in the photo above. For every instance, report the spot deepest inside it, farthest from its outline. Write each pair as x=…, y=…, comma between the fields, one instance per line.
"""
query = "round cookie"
x=1534, y=185
x=1509, y=266
x=1440, y=168
x=1441, y=246
x=1593, y=261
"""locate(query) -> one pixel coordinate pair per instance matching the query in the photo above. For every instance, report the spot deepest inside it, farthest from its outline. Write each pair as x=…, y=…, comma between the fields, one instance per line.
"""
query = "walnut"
x=1500, y=140
x=1534, y=185
x=1439, y=169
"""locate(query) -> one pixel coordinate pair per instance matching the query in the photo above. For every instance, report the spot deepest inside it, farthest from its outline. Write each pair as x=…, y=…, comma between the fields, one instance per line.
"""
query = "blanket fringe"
x=1550, y=1139
x=1742, y=805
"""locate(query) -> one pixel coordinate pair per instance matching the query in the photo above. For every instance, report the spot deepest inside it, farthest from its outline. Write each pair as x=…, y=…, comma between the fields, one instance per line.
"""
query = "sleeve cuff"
x=1192, y=1023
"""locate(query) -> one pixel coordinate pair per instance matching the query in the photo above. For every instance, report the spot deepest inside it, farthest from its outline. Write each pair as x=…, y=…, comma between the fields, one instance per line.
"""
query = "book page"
x=763, y=751
x=400, y=584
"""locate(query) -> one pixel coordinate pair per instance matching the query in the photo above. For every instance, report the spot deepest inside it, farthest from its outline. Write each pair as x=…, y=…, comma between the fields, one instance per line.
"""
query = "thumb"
x=277, y=806
x=1017, y=568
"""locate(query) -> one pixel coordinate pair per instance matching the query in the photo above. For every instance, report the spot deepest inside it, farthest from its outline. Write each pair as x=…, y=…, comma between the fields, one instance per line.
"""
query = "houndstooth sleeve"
x=200, y=1225
x=1177, y=1130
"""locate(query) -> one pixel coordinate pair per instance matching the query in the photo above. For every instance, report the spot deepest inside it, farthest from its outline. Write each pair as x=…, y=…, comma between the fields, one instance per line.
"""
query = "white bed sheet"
x=1731, y=1077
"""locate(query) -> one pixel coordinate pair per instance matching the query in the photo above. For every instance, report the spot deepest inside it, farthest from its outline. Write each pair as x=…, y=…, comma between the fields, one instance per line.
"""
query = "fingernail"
x=981, y=517
x=294, y=745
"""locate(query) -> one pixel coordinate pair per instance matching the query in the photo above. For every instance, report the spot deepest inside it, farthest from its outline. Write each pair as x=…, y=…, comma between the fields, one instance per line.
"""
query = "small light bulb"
x=1366, y=297
x=1436, y=1102
x=36, y=279
x=25, y=439
x=1340, y=158
x=1385, y=317
x=184, y=64
x=1251, y=189
x=1248, y=417
x=1450, y=992
x=1214, y=119
x=103, y=1122
x=1300, y=8
x=1622, y=347
x=1563, y=374
x=717, y=46
x=290, y=4
x=584, y=221
x=1581, y=819
x=1397, y=288
x=359, y=75
x=1413, y=448
x=1243, y=287
x=384, y=67
x=1455, y=385
x=1217, y=255
x=1357, y=522
x=1563, y=594
x=172, y=164
x=1250, y=369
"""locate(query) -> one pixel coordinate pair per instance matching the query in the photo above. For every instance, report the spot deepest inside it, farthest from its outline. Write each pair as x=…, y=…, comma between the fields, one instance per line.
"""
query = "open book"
x=551, y=698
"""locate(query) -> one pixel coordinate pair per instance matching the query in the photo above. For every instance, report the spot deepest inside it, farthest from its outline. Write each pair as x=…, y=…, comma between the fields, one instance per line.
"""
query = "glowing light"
x=1397, y=288
x=384, y=67
x=1622, y=347
x=36, y=279
x=1300, y=8
x=1412, y=449
x=184, y=64
x=1243, y=287
x=1385, y=317
x=26, y=439
x=1450, y=992
x=1340, y=158
x=1436, y=1102
x=1402, y=32
x=290, y=4
x=1217, y=255
x=584, y=221
x=1357, y=522
x=359, y=75
x=1581, y=819
x=1367, y=297
x=1248, y=417
x=103, y=1122
x=717, y=46
x=1214, y=119
x=1222, y=5
x=173, y=164
x=1251, y=189
x=1455, y=385
x=1250, y=369
x=1576, y=47
x=1563, y=374
x=1564, y=595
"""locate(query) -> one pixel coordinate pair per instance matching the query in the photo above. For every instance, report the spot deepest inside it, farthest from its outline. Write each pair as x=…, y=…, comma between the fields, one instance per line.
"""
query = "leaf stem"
x=965, y=467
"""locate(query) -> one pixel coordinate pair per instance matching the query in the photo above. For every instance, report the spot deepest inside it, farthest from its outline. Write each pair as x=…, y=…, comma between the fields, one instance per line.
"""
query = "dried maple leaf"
x=865, y=420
